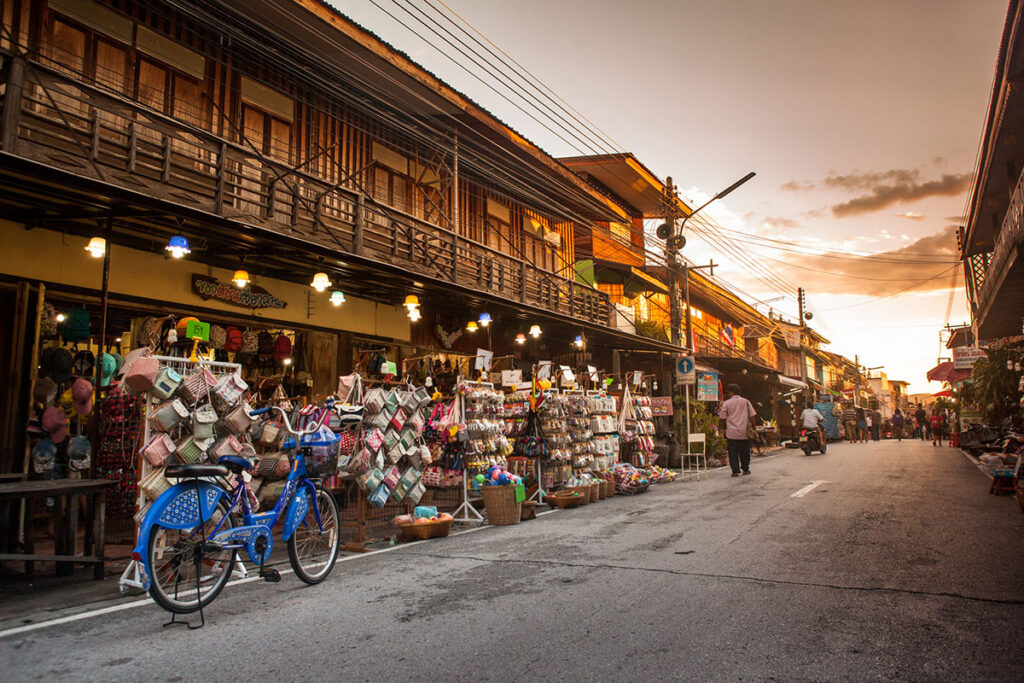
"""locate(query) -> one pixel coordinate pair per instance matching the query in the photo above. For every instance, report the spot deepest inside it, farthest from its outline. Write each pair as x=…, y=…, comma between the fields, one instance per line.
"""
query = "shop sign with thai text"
x=253, y=296
x=964, y=357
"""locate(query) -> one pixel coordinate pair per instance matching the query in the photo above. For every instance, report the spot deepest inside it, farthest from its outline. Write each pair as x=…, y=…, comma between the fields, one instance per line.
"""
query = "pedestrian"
x=921, y=418
x=951, y=430
x=850, y=422
x=937, y=423
x=876, y=425
x=735, y=420
x=897, y=424
x=862, y=425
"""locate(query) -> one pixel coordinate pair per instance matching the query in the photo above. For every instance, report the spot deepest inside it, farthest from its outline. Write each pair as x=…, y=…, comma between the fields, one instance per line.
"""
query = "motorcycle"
x=810, y=441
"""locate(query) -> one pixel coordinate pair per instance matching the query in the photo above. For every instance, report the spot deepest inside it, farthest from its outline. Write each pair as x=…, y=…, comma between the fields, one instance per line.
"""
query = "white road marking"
x=807, y=489
x=237, y=582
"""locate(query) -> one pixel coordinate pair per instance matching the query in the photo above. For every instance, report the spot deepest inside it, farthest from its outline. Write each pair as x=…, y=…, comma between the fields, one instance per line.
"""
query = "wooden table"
x=65, y=493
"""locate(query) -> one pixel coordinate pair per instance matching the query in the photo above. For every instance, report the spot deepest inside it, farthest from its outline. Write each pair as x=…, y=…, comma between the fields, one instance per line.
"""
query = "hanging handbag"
x=374, y=440
x=349, y=416
x=392, y=401
x=166, y=383
x=415, y=494
x=198, y=384
x=379, y=421
x=379, y=497
x=347, y=443
x=141, y=374
x=374, y=400
x=168, y=415
x=350, y=389
x=237, y=421
x=433, y=477
x=370, y=479
x=271, y=434
x=397, y=420
x=158, y=449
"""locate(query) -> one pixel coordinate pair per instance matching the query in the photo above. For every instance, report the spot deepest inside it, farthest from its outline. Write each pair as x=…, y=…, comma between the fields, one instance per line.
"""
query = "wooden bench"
x=65, y=493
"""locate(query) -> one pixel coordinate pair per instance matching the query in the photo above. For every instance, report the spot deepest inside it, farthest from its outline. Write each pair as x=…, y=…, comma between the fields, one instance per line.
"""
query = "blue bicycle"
x=188, y=541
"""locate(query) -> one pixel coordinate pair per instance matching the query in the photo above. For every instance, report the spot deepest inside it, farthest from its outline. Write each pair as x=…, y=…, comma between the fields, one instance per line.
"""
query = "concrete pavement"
x=876, y=561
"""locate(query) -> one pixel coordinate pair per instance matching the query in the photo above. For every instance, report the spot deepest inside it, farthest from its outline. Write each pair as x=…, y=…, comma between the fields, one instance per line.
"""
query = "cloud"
x=797, y=185
x=893, y=187
x=780, y=222
x=916, y=265
x=911, y=215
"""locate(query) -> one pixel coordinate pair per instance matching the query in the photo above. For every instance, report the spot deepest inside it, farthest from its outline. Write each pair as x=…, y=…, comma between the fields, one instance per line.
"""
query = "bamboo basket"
x=529, y=510
x=563, y=500
x=584, y=492
x=609, y=487
x=421, y=532
x=500, y=503
x=595, y=492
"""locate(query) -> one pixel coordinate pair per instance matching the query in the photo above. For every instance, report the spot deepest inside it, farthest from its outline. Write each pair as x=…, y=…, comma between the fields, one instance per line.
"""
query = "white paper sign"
x=638, y=377
x=567, y=374
x=593, y=373
x=511, y=378
x=483, y=359
x=544, y=369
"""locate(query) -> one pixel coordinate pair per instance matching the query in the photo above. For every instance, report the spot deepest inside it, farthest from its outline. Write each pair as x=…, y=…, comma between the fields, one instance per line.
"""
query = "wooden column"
x=12, y=105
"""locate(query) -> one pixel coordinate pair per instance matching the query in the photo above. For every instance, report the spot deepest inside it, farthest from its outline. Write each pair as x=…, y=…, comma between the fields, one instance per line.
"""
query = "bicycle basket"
x=321, y=457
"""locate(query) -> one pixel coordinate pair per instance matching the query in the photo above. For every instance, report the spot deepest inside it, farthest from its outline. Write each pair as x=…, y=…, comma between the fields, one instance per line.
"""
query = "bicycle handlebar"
x=312, y=429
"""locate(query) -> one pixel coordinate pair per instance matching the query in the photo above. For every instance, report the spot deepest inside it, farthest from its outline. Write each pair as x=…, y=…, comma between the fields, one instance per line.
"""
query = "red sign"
x=661, y=406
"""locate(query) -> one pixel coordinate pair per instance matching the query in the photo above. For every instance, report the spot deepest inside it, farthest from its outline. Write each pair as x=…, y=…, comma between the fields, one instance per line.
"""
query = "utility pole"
x=674, y=241
x=803, y=347
x=672, y=247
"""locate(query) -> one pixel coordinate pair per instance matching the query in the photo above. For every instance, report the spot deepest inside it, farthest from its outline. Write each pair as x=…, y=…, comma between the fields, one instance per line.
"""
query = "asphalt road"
x=897, y=565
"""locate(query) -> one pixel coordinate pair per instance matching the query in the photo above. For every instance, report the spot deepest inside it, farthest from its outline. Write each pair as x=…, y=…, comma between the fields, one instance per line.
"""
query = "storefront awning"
x=788, y=382
x=945, y=372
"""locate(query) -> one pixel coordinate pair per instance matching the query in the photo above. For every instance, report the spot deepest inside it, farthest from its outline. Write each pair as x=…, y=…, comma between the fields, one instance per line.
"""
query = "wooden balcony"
x=80, y=129
x=716, y=348
x=999, y=288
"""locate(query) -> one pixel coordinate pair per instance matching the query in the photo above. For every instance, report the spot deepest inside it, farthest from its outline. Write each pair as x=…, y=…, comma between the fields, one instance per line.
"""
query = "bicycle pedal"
x=270, y=575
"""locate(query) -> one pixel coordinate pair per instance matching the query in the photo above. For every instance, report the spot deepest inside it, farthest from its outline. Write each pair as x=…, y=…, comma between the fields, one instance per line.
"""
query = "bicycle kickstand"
x=197, y=560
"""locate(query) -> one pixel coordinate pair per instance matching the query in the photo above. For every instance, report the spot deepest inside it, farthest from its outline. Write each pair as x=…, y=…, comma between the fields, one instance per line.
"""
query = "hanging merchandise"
x=604, y=425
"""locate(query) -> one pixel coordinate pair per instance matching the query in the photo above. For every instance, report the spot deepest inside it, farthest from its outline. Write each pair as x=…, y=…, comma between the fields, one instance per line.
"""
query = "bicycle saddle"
x=235, y=463
x=190, y=471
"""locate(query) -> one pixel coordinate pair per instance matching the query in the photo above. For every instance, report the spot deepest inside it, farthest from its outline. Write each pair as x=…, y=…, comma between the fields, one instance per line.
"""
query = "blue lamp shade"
x=578, y=341
x=337, y=298
x=178, y=246
x=484, y=320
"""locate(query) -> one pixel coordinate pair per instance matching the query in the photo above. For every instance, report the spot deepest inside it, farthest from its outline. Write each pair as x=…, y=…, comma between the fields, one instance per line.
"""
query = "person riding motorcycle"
x=814, y=422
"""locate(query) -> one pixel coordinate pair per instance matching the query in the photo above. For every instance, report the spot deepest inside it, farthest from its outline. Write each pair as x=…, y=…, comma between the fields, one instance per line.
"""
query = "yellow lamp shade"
x=241, y=278
x=320, y=282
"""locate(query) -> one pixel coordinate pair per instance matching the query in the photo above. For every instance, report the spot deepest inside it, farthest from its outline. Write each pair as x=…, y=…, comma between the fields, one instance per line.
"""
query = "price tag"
x=520, y=493
x=511, y=378
x=638, y=377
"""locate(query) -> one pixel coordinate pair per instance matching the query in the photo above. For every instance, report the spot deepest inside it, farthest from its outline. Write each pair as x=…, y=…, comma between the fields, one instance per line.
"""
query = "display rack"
x=604, y=425
x=132, y=576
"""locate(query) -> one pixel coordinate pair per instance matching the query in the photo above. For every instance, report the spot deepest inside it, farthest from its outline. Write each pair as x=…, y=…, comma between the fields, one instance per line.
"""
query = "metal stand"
x=538, y=495
x=466, y=508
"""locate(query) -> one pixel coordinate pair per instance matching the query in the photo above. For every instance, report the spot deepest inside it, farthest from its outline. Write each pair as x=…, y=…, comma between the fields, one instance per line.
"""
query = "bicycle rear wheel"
x=312, y=550
x=175, y=559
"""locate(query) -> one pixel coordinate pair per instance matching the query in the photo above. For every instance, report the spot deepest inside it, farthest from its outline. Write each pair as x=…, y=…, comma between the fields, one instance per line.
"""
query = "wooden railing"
x=74, y=126
x=717, y=348
x=1009, y=240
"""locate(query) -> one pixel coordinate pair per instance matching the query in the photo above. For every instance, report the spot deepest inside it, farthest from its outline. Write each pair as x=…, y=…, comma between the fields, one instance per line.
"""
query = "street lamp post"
x=674, y=242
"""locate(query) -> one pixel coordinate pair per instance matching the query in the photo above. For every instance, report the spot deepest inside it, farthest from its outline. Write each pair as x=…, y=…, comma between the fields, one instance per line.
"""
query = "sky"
x=861, y=119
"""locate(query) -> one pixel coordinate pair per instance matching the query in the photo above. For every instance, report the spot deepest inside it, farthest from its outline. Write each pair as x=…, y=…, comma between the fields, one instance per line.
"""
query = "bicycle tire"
x=309, y=533
x=170, y=600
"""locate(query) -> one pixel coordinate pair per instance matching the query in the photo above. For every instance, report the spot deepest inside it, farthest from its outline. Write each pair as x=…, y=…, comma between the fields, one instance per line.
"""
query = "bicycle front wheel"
x=312, y=549
x=184, y=576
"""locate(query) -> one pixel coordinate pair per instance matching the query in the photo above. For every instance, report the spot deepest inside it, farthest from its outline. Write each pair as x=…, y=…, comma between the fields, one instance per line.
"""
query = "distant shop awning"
x=633, y=280
x=945, y=372
x=789, y=382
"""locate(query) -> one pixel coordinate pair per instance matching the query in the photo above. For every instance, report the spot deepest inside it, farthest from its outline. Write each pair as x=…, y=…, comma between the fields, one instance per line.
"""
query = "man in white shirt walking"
x=734, y=419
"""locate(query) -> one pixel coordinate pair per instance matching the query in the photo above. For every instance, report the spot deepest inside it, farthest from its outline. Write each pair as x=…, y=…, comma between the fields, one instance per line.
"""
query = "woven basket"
x=595, y=492
x=584, y=492
x=421, y=532
x=563, y=499
x=529, y=510
x=500, y=503
x=609, y=487
x=599, y=487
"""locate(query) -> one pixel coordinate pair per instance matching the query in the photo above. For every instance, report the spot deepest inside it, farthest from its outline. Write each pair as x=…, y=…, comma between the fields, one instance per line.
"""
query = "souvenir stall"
x=192, y=412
